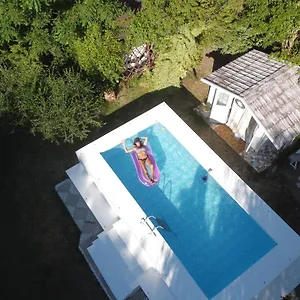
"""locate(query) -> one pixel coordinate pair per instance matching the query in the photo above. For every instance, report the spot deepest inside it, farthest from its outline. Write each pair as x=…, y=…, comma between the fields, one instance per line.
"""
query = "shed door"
x=239, y=119
x=221, y=107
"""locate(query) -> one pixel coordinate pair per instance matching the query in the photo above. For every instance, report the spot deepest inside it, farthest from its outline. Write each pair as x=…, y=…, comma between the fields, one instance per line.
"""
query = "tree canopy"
x=58, y=57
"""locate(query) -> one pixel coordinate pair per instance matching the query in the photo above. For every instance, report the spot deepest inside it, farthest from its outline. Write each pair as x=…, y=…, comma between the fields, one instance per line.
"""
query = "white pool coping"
x=275, y=274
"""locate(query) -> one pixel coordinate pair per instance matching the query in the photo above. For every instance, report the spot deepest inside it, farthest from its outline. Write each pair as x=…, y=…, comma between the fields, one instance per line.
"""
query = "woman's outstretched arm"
x=125, y=149
x=145, y=140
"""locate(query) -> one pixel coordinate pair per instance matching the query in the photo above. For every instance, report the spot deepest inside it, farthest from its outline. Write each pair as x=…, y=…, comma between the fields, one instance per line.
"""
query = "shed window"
x=222, y=99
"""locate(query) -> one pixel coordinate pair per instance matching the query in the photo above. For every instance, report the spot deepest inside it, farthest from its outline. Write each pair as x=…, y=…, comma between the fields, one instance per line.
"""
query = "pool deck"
x=144, y=261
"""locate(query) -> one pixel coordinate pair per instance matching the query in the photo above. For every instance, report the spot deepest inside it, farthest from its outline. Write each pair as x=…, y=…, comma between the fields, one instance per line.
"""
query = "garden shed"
x=258, y=98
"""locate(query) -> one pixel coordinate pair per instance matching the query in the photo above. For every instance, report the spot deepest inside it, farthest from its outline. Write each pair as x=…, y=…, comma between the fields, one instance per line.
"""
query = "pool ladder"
x=144, y=220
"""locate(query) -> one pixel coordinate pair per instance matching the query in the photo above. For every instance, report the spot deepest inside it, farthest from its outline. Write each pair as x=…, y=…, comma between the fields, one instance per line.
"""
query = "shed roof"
x=270, y=88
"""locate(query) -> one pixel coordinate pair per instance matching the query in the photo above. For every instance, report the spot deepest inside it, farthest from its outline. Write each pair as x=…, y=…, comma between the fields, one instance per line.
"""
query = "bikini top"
x=140, y=149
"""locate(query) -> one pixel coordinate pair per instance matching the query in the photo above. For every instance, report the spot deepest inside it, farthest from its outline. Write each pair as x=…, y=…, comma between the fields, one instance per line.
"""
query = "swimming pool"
x=213, y=237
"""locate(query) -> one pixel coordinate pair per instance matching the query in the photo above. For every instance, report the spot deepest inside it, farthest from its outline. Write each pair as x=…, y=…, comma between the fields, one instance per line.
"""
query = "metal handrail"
x=144, y=220
x=148, y=217
x=159, y=226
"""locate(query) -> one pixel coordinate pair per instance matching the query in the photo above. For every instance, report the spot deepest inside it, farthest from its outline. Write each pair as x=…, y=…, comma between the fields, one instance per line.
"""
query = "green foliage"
x=180, y=54
x=160, y=19
x=152, y=23
x=92, y=35
x=173, y=27
x=291, y=56
x=178, y=29
x=73, y=23
x=11, y=19
x=69, y=99
x=41, y=84
x=263, y=24
x=17, y=84
x=233, y=26
x=52, y=52
x=35, y=5
x=271, y=21
x=100, y=50
x=38, y=40
x=60, y=108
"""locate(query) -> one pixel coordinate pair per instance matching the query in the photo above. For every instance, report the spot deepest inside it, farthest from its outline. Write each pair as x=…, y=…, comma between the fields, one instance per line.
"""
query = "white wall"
x=237, y=120
x=258, y=139
x=211, y=94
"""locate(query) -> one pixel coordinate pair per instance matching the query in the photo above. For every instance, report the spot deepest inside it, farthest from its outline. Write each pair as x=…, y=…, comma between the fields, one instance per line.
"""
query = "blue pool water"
x=213, y=237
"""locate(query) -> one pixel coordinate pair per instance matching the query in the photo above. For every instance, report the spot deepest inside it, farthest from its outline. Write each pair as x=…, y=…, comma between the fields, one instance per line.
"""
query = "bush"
x=180, y=54
x=59, y=107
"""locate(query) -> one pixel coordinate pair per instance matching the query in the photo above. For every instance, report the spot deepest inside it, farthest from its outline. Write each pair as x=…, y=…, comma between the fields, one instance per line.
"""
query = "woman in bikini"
x=140, y=148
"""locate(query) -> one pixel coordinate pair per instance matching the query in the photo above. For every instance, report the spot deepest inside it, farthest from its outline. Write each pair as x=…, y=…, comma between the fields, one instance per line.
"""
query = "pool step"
x=154, y=287
x=150, y=281
x=125, y=265
x=117, y=266
x=129, y=259
x=133, y=245
x=92, y=196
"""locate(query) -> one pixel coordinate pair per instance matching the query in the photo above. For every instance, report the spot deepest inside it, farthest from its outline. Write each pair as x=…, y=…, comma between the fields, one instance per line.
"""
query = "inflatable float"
x=139, y=169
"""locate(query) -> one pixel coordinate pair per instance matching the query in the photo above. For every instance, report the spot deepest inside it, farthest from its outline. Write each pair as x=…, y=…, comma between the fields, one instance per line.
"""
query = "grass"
x=129, y=91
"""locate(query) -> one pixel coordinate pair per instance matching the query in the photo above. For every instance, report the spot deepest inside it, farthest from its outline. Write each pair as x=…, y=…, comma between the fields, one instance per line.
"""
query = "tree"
x=92, y=35
x=173, y=28
x=265, y=23
x=34, y=5
x=69, y=99
x=11, y=19
x=58, y=107
x=99, y=50
x=41, y=85
x=181, y=53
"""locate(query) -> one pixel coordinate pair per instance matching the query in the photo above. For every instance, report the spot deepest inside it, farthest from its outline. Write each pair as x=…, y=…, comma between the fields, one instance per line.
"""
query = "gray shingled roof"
x=270, y=88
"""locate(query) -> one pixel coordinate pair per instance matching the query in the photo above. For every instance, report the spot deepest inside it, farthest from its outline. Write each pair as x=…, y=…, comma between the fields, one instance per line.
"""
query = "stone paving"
x=79, y=211
x=262, y=159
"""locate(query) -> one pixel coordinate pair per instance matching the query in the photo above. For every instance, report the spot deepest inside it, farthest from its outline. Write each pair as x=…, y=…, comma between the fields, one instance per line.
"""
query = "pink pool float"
x=139, y=169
